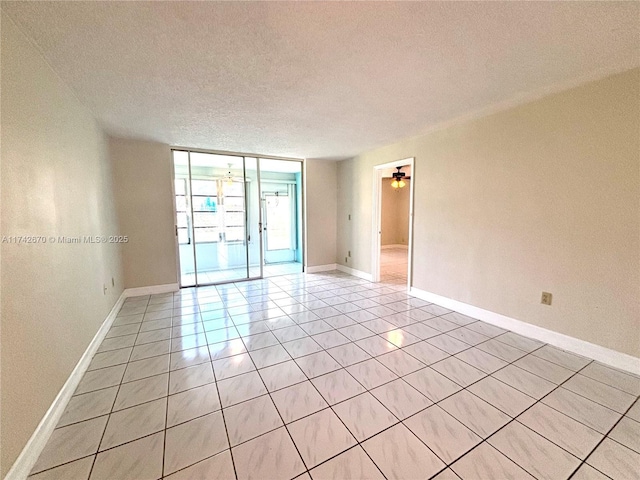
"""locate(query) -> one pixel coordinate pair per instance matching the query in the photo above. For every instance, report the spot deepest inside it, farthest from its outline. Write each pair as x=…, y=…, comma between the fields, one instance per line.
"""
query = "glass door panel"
x=182, y=187
x=210, y=218
x=278, y=241
x=254, y=220
x=217, y=190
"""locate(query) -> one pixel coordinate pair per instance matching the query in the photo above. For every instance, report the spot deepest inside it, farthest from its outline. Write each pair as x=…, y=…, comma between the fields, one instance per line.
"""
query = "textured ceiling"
x=316, y=79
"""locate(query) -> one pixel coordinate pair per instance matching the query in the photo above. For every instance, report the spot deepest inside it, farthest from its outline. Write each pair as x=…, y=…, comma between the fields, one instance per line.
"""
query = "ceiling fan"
x=399, y=178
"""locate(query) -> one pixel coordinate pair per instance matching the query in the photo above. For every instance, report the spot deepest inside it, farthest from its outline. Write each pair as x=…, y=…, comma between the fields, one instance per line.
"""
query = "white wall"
x=321, y=201
x=143, y=178
x=544, y=196
x=56, y=181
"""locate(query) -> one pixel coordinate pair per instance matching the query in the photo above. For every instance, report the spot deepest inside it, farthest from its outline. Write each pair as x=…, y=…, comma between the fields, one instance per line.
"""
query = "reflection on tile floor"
x=328, y=376
x=232, y=274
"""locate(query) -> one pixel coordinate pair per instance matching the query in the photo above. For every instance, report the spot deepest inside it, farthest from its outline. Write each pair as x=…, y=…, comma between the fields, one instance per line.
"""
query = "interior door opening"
x=393, y=213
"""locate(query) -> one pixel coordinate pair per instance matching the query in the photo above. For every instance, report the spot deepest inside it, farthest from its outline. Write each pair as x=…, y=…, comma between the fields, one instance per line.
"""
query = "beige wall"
x=544, y=196
x=394, y=214
x=321, y=201
x=56, y=181
x=143, y=178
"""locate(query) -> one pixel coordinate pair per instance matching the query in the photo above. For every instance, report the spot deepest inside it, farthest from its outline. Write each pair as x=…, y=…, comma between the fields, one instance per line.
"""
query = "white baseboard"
x=355, y=273
x=604, y=355
x=32, y=450
x=152, y=290
x=321, y=268
x=397, y=245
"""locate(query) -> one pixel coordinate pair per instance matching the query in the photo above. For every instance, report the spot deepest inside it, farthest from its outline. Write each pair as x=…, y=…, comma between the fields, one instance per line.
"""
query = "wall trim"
x=395, y=245
x=354, y=272
x=151, y=290
x=602, y=354
x=321, y=268
x=36, y=443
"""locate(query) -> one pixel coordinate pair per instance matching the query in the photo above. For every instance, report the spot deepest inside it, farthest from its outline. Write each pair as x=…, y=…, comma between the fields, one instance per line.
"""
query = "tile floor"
x=327, y=376
x=393, y=265
x=217, y=276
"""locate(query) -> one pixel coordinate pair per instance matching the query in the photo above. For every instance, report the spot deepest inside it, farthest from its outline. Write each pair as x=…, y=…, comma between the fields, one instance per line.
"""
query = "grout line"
x=358, y=443
x=483, y=440
x=227, y=297
x=63, y=464
x=224, y=420
x=166, y=419
x=512, y=419
x=284, y=424
x=605, y=436
x=344, y=368
x=115, y=398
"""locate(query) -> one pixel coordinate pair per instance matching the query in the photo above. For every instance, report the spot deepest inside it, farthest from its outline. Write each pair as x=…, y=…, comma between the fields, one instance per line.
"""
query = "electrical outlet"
x=546, y=298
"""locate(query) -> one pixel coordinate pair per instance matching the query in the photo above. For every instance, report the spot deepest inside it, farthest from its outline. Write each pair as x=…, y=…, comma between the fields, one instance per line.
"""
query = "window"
x=233, y=219
x=204, y=195
x=278, y=222
x=183, y=211
x=218, y=211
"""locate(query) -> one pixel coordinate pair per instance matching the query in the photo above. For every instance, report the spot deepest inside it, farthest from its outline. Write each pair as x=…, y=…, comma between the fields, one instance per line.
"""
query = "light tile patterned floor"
x=327, y=376
x=393, y=264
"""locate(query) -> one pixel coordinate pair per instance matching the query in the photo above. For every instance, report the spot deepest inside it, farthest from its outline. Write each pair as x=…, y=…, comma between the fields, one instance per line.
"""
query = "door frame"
x=376, y=232
x=189, y=150
x=175, y=217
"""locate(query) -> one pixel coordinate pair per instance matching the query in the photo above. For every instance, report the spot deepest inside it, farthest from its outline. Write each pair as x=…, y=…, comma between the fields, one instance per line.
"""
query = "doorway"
x=281, y=202
x=220, y=217
x=392, y=222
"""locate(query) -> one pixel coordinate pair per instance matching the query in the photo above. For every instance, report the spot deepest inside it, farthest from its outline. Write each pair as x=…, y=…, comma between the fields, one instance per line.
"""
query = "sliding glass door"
x=211, y=217
x=230, y=222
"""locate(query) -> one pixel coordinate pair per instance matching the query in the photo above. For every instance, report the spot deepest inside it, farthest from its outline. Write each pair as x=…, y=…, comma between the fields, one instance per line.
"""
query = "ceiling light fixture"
x=229, y=178
x=398, y=179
